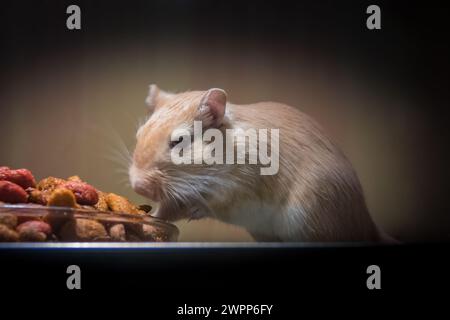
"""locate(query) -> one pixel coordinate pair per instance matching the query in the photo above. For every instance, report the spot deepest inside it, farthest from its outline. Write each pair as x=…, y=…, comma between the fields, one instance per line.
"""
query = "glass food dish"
x=32, y=223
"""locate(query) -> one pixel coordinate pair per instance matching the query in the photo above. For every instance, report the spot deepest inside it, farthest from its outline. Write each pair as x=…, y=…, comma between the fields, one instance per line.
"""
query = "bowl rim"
x=144, y=218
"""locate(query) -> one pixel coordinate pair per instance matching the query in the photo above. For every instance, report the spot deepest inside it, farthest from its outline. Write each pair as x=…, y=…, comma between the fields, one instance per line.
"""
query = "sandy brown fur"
x=316, y=195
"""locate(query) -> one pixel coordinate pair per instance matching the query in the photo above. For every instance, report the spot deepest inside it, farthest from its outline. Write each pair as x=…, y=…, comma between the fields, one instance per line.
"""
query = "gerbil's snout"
x=145, y=183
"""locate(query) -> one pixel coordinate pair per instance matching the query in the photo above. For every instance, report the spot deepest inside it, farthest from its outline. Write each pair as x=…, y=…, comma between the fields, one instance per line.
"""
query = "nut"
x=117, y=203
x=74, y=179
x=101, y=204
x=84, y=193
x=9, y=220
x=58, y=219
x=31, y=235
x=62, y=197
x=50, y=184
x=34, y=231
x=117, y=232
x=7, y=234
x=12, y=193
x=36, y=225
x=21, y=177
x=36, y=196
x=83, y=230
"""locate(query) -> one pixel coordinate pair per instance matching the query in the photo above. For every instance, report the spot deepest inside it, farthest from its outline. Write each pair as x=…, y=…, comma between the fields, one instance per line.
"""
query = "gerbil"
x=315, y=196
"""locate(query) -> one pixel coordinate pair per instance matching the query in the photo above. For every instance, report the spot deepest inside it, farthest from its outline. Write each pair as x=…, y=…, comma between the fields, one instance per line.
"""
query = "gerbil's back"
x=316, y=184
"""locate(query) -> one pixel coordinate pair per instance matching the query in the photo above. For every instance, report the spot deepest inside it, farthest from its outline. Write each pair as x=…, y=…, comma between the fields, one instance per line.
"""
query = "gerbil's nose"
x=142, y=185
x=137, y=183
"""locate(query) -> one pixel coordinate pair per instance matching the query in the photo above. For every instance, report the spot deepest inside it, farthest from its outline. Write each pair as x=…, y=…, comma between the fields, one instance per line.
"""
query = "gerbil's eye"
x=174, y=143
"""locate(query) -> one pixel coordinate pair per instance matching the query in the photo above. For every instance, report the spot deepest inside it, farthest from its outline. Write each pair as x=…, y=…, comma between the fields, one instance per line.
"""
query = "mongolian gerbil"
x=314, y=196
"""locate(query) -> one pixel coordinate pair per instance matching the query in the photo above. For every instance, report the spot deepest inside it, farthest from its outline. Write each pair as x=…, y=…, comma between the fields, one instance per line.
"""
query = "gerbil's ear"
x=156, y=97
x=212, y=107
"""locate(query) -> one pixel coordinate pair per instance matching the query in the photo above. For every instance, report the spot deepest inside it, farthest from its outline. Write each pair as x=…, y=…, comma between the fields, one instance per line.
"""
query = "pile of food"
x=39, y=211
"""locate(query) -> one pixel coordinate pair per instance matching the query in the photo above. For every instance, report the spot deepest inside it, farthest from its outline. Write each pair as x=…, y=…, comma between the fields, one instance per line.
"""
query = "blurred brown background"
x=71, y=100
